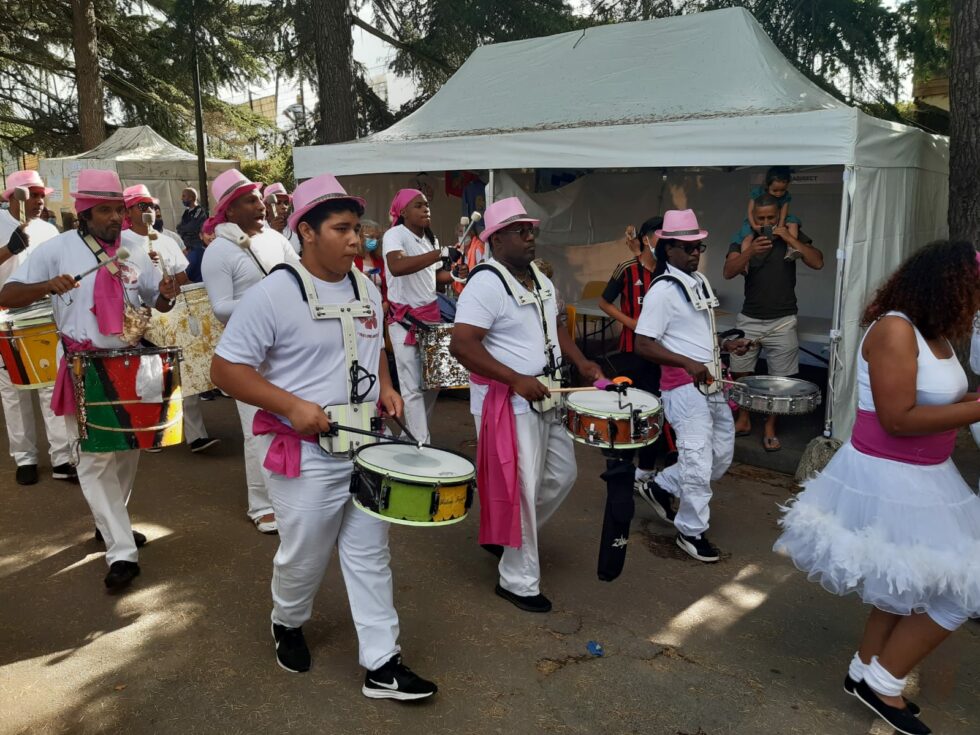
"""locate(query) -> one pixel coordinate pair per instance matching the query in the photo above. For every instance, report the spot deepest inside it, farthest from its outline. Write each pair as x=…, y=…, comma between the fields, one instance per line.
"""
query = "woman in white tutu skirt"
x=891, y=518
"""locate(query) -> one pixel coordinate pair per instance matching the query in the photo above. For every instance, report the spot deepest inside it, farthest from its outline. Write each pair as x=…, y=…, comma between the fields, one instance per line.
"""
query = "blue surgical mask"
x=371, y=244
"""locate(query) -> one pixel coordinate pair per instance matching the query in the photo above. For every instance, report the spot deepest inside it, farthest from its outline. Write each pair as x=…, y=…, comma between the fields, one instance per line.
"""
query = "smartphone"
x=767, y=231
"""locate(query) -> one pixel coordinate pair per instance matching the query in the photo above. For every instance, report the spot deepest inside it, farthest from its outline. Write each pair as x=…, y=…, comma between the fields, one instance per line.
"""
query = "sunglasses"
x=523, y=232
x=145, y=206
x=692, y=247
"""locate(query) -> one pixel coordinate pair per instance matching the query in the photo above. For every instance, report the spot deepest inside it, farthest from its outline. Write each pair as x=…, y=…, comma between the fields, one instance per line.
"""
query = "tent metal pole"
x=489, y=194
x=835, y=327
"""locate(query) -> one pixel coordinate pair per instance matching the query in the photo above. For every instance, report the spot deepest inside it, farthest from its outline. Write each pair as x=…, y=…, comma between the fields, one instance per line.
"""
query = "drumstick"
x=364, y=432
x=777, y=328
x=404, y=428
x=618, y=384
x=121, y=255
x=21, y=194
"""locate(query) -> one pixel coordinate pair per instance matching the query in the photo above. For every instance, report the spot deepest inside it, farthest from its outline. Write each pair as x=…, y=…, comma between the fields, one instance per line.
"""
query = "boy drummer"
x=302, y=339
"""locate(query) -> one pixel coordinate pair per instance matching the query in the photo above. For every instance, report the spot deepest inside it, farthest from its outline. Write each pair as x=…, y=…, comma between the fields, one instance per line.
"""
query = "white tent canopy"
x=140, y=156
x=707, y=90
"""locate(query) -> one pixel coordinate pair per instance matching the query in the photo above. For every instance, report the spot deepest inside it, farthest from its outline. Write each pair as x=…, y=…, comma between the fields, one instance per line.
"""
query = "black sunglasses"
x=522, y=231
x=691, y=247
x=144, y=206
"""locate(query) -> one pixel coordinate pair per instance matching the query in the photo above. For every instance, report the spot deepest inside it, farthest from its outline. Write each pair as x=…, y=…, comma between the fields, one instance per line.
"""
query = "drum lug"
x=377, y=424
x=640, y=425
x=385, y=494
x=434, y=505
x=591, y=435
x=469, y=493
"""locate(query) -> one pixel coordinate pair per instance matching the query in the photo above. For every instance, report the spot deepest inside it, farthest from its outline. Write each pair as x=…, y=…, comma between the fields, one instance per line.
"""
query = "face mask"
x=370, y=244
x=187, y=205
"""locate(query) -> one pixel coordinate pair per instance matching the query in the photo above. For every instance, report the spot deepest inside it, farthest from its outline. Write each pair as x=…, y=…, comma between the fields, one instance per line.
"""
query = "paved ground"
x=744, y=646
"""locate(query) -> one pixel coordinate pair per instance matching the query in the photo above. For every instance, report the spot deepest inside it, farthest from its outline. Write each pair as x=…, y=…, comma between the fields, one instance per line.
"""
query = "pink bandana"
x=401, y=200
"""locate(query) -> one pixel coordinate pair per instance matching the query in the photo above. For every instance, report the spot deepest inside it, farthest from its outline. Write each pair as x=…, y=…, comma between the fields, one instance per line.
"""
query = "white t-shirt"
x=170, y=252
x=515, y=336
x=293, y=239
x=67, y=254
x=668, y=318
x=229, y=271
x=415, y=289
x=37, y=230
x=273, y=332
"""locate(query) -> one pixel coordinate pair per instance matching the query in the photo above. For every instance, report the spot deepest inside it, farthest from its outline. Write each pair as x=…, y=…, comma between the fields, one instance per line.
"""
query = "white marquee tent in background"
x=140, y=156
x=684, y=111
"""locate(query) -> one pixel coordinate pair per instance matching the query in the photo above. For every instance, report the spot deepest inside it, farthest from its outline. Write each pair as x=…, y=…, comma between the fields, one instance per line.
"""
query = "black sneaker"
x=658, y=498
x=121, y=573
x=292, y=653
x=139, y=538
x=199, y=445
x=27, y=474
x=533, y=603
x=64, y=472
x=395, y=680
x=850, y=684
x=902, y=720
x=699, y=547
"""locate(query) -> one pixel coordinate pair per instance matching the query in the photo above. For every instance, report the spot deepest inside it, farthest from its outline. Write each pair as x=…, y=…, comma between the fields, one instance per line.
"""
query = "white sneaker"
x=266, y=523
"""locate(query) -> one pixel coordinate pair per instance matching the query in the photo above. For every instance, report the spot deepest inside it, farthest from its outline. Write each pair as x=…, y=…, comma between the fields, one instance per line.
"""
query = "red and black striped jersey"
x=630, y=282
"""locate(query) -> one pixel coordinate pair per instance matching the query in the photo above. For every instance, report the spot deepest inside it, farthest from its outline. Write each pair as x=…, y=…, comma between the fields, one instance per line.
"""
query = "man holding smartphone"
x=768, y=315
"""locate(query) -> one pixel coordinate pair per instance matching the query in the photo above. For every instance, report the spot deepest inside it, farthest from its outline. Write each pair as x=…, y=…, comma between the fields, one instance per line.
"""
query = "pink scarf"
x=428, y=313
x=285, y=453
x=401, y=200
x=498, y=479
x=63, y=397
x=108, y=296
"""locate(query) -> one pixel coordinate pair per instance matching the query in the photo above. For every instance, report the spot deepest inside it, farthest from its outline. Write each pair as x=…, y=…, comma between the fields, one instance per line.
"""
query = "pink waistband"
x=869, y=437
x=63, y=395
x=673, y=377
x=426, y=313
x=284, y=455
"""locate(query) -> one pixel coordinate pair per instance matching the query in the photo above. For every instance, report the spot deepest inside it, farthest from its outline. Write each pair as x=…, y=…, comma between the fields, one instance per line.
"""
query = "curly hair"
x=937, y=287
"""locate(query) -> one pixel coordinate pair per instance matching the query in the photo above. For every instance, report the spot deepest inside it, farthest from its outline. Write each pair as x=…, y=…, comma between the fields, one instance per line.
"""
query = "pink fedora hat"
x=96, y=186
x=133, y=195
x=228, y=186
x=681, y=224
x=277, y=189
x=310, y=193
x=30, y=179
x=502, y=213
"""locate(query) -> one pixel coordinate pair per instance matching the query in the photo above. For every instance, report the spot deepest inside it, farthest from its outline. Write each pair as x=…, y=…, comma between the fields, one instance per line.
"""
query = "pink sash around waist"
x=63, y=396
x=673, y=377
x=285, y=453
x=869, y=437
x=498, y=480
x=427, y=313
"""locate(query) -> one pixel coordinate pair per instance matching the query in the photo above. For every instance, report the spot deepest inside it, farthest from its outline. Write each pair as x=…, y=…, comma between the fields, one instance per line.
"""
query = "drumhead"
x=604, y=403
x=404, y=460
x=776, y=387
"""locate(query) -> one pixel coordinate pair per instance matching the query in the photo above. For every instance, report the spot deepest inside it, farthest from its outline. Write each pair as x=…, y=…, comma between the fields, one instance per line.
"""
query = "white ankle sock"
x=857, y=668
x=882, y=682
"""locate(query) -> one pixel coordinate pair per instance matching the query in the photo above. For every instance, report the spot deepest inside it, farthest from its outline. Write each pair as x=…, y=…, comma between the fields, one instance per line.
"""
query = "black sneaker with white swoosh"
x=394, y=680
x=292, y=653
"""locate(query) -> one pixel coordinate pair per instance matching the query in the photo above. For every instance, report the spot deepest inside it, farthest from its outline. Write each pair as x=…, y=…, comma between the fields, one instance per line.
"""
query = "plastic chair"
x=570, y=316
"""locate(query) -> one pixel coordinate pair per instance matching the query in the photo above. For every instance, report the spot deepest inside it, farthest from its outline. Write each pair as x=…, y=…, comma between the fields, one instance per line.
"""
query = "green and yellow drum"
x=127, y=399
x=413, y=486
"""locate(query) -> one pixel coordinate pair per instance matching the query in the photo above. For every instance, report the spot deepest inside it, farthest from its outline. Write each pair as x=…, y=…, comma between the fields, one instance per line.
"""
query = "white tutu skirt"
x=904, y=537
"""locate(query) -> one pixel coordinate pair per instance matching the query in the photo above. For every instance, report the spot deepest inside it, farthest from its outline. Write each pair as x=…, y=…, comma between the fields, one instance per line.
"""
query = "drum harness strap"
x=702, y=299
x=537, y=296
x=360, y=308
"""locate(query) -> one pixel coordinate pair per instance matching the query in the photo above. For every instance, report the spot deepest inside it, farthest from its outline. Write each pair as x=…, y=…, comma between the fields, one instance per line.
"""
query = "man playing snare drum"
x=676, y=331
x=507, y=336
x=306, y=337
x=90, y=316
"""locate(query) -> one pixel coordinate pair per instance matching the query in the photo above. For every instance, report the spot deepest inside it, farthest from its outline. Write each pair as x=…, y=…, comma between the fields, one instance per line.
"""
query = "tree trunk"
x=964, y=137
x=91, y=101
x=333, y=46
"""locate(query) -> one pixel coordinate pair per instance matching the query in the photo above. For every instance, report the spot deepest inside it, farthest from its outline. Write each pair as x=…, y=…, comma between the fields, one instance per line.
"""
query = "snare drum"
x=192, y=326
x=28, y=345
x=774, y=395
x=413, y=486
x=439, y=368
x=127, y=399
x=613, y=420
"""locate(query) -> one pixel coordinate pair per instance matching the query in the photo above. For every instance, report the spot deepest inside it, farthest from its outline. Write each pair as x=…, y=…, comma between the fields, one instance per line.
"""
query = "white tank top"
x=938, y=382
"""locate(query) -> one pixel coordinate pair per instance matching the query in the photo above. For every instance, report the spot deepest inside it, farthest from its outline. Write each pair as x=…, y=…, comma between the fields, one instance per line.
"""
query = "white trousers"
x=258, y=494
x=18, y=411
x=705, y=444
x=315, y=513
x=547, y=469
x=107, y=482
x=418, y=403
x=194, y=427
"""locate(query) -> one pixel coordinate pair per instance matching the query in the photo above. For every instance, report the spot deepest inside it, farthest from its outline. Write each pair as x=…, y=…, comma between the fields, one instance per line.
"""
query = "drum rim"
x=125, y=352
x=618, y=413
x=813, y=388
x=414, y=479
